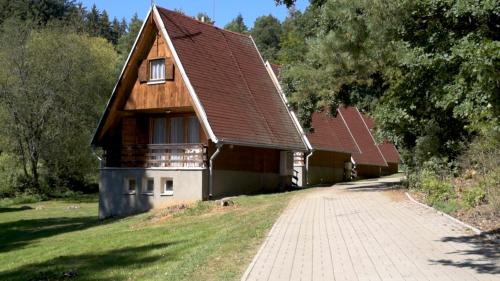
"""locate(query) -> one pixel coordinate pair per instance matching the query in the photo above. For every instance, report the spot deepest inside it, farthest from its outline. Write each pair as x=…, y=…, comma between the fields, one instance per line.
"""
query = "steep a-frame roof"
x=388, y=149
x=231, y=89
x=330, y=133
x=370, y=153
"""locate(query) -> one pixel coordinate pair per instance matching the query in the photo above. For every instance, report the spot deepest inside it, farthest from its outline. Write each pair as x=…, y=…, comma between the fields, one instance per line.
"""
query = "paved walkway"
x=362, y=232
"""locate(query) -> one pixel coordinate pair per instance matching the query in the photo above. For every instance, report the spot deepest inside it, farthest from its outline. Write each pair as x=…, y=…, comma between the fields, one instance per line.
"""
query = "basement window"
x=157, y=70
x=131, y=185
x=149, y=186
x=167, y=186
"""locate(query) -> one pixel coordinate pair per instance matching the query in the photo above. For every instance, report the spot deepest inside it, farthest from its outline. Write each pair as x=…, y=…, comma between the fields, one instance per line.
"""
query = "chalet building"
x=329, y=160
x=388, y=150
x=194, y=115
x=370, y=161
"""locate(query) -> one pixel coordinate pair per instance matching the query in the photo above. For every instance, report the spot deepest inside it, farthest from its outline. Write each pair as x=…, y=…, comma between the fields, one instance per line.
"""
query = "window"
x=157, y=70
x=150, y=185
x=193, y=130
x=159, y=131
x=131, y=185
x=168, y=186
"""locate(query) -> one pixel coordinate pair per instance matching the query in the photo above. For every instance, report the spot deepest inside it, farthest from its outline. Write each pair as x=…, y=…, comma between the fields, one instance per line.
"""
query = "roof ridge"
x=204, y=23
x=371, y=135
x=349, y=130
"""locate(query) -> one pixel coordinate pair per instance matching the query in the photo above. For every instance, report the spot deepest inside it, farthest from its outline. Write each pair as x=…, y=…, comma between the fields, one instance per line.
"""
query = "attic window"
x=157, y=70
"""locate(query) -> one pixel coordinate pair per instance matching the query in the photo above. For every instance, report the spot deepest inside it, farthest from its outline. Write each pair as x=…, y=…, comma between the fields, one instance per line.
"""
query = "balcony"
x=298, y=159
x=184, y=155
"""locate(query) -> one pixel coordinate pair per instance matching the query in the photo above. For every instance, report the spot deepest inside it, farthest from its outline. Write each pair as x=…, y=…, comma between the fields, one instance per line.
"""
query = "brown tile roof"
x=330, y=133
x=388, y=149
x=370, y=154
x=230, y=79
x=390, y=152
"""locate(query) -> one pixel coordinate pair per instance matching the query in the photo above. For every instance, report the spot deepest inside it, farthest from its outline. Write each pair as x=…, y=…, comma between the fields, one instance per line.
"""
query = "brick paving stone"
x=356, y=231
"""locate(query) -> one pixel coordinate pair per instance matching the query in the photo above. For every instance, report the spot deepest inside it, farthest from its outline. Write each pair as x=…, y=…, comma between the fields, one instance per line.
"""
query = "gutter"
x=210, y=169
x=307, y=165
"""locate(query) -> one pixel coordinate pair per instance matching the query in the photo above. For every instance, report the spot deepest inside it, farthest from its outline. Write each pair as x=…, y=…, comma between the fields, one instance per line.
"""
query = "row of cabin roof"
x=196, y=113
x=341, y=147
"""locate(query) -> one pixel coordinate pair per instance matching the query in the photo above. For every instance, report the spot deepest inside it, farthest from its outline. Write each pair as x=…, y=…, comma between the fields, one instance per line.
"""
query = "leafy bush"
x=474, y=196
x=21, y=199
x=448, y=206
x=9, y=174
x=438, y=191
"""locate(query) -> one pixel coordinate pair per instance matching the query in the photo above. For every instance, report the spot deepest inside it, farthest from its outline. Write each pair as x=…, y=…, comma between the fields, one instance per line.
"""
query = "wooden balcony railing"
x=164, y=155
x=298, y=159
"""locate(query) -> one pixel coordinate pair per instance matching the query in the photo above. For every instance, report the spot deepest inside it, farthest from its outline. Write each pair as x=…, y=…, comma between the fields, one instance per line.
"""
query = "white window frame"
x=152, y=80
x=164, y=192
x=145, y=185
x=127, y=185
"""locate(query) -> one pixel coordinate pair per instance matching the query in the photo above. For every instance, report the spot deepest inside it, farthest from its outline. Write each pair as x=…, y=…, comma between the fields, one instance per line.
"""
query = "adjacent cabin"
x=329, y=160
x=370, y=161
x=194, y=115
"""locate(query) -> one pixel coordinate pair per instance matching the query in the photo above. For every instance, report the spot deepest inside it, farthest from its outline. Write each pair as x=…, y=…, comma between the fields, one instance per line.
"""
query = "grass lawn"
x=63, y=240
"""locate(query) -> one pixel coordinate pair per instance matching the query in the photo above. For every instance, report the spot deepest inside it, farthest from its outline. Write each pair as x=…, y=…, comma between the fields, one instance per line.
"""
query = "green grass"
x=63, y=240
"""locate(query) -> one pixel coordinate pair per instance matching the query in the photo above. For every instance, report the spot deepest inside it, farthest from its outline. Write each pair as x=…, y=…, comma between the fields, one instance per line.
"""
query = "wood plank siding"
x=251, y=159
x=171, y=93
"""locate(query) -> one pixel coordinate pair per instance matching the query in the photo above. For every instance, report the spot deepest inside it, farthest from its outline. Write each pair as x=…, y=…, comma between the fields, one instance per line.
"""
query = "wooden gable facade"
x=128, y=125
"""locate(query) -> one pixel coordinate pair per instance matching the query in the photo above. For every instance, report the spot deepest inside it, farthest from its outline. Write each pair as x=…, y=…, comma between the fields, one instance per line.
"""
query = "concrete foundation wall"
x=116, y=200
x=229, y=183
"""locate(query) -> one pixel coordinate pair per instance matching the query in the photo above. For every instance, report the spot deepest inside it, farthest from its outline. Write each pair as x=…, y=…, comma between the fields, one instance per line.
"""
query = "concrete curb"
x=475, y=230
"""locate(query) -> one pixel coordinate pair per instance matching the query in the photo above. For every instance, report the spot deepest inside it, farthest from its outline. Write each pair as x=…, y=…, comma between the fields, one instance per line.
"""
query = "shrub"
x=437, y=190
x=21, y=199
x=474, y=196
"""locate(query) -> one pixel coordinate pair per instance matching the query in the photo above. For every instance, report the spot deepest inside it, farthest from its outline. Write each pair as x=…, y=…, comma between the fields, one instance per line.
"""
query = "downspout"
x=210, y=170
x=307, y=165
x=97, y=156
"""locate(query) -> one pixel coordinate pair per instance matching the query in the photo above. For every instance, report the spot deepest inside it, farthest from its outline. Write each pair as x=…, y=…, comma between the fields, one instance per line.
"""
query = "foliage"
x=427, y=70
x=52, y=88
x=126, y=41
x=267, y=33
x=20, y=199
x=9, y=174
x=474, y=196
x=237, y=25
x=203, y=17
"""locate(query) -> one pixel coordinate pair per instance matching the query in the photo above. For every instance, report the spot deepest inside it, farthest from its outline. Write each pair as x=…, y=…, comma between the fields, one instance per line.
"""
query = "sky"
x=222, y=11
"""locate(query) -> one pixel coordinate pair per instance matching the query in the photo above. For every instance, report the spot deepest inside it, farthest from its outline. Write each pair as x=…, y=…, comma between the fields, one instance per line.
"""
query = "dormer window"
x=157, y=70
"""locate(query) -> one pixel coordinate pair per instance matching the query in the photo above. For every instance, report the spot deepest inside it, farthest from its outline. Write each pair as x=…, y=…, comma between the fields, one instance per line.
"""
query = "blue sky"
x=225, y=10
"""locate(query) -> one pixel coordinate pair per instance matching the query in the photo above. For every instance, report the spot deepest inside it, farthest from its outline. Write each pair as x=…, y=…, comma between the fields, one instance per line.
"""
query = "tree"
x=203, y=17
x=53, y=86
x=127, y=40
x=93, y=21
x=105, y=30
x=267, y=33
x=237, y=25
x=428, y=71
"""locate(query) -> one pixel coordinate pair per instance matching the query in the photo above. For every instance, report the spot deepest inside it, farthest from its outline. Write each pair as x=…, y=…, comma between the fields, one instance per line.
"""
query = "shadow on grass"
x=20, y=233
x=487, y=253
x=91, y=266
x=15, y=209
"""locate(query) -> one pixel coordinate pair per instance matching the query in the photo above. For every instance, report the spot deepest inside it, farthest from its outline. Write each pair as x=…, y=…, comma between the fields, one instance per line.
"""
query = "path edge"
x=474, y=229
